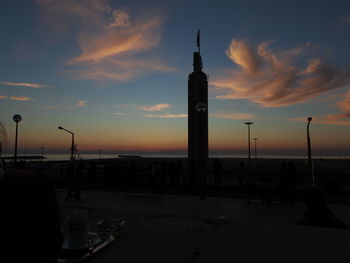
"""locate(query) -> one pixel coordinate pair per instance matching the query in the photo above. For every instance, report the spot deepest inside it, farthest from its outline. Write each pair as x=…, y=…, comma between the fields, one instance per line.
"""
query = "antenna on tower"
x=198, y=41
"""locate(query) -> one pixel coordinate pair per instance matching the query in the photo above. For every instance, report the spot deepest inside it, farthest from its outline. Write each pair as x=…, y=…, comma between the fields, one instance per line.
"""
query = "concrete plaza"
x=186, y=229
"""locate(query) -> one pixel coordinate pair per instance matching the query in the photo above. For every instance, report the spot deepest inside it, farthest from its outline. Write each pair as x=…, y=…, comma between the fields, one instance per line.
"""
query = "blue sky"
x=115, y=73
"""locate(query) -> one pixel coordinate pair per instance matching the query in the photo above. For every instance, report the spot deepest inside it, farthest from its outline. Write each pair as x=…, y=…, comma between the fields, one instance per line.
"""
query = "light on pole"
x=72, y=147
x=249, y=123
x=309, y=158
x=17, y=118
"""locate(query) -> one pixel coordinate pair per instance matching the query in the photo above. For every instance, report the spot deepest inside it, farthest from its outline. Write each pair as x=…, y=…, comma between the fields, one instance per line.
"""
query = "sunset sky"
x=115, y=73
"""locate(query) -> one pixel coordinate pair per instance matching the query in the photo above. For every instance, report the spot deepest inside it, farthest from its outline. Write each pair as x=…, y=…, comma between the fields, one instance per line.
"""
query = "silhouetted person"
x=217, y=167
x=155, y=174
x=265, y=188
x=30, y=228
x=292, y=182
x=91, y=173
x=74, y=173
x=178, y=171
x=118, y=173
x=192, y=173
x=282, y=182
x=172, y=172
x=132, y=175
x=241, y=172
x=163, y=175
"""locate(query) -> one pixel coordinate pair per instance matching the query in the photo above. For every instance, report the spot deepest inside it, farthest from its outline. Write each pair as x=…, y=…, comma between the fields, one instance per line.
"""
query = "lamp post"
x=249, y=123
x=309, y=158
x=72, y=147
x=17, y=118
x=42, y=153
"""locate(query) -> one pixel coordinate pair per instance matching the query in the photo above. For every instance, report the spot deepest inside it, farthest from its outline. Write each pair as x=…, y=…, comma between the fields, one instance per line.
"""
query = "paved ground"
x=186, y=229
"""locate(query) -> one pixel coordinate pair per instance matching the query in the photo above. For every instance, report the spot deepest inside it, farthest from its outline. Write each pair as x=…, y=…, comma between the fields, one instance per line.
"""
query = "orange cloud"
x=344, y=104
x=156, y=107
x=166, y=115
x=113, y=43
x=82, y=103
x=342, y=118
x=135, y=37
x=273, y=79
x=20, y=98
x=329, y=119
x=22, y=84
x=234, y=116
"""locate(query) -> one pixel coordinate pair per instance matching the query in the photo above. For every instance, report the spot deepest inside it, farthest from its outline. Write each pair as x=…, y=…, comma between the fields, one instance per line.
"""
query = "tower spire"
x=198, y=41
x=197, y=59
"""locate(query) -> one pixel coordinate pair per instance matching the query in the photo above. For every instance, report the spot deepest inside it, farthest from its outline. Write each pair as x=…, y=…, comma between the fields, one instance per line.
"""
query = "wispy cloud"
x=113, y=43
x=25, y=84
x=329, y=119
x=166, y=115
x=345, y=20
x=82, y=103
x=344, y=104
x=274, y=79
x=233, y=116
x=16, y=98
x=119, y=113
x=156, y=107
x=53, y=107
x=340, y=118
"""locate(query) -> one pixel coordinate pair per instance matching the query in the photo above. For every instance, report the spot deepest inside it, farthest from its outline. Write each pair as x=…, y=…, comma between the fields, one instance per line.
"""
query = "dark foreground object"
x=317, y=213
x=80, y=245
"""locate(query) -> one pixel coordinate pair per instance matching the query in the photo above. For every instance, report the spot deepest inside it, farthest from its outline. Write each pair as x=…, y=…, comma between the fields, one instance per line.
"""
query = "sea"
x=91, y=156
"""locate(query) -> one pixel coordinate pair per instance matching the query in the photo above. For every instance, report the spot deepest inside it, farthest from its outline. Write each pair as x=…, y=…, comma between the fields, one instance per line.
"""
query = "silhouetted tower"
x=198, y=119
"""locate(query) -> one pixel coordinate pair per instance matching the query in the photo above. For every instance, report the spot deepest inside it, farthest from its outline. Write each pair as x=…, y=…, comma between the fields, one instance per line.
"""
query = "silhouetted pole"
x=309, y=158
x=256, y=154
x=17, y=118
x=249, y=123
x=72, y=147
x=42, y=153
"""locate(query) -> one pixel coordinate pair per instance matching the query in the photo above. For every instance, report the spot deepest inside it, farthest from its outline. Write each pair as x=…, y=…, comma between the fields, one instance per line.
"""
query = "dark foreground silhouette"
x=317, y=213
x=30, y=221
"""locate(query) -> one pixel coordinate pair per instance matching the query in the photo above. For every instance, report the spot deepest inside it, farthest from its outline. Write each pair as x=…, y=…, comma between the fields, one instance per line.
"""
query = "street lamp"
x=72, y=147
x=42, y=153
x=17, y=118
x=309, y=158
x=249, y=123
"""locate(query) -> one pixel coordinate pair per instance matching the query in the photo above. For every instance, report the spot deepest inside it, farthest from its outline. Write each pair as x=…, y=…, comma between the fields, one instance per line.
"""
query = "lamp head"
x=60, y=127
x=17, y=118
x=248, y=123
x=309, y=119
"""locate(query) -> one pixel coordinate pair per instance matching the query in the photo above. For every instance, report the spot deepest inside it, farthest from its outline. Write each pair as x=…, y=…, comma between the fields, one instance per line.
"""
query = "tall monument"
x=198, y=121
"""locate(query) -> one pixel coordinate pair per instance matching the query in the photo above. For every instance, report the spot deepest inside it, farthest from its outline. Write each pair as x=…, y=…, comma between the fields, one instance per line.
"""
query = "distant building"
x=198, y=118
